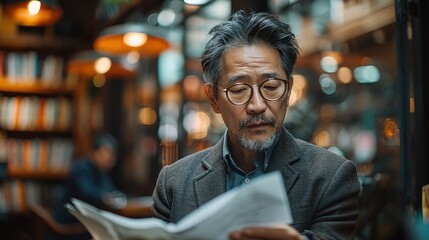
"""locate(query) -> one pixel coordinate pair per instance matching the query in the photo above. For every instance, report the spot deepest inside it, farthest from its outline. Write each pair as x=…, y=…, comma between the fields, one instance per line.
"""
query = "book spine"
x=37, y=155
x=30, y=113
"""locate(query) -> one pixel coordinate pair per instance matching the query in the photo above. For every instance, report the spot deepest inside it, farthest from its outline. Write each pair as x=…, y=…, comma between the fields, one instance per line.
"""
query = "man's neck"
x=244, y=158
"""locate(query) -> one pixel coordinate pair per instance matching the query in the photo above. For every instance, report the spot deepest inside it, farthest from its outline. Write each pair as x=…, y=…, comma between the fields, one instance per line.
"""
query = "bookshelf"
x=34, y=88
x=37, y=118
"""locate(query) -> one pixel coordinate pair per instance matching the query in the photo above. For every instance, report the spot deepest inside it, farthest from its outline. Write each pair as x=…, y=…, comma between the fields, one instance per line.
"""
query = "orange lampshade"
x=33, y=12
x=85, y=64
x=131, y=37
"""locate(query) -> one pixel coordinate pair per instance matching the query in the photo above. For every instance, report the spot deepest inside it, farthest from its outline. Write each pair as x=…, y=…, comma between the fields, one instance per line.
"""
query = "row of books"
x=16, y=195
x=33, y=113
x=39, y=155
x=29, y=68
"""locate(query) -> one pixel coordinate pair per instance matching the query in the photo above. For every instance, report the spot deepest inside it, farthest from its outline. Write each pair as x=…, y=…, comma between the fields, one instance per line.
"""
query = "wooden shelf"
x=375, y=19
x=41, y=43
x=38, y=174
x=35, y=177
x=366, y=19
x=37, y=133
x=34, y=88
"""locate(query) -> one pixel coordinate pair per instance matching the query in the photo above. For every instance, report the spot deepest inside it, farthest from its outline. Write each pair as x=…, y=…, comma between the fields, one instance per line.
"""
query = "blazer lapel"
x=282, y=157
x=211, y=182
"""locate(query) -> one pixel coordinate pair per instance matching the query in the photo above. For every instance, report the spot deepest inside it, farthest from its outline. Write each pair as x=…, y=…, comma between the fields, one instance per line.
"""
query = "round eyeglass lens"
x=239, y=93
x=272, y=89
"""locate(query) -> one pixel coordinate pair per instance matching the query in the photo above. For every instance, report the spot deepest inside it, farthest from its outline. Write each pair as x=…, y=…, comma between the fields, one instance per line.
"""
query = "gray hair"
x=243, y=29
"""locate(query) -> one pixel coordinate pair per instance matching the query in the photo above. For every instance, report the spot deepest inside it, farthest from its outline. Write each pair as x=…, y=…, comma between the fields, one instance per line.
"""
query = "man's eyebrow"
x=237, y=78
x=271, y=75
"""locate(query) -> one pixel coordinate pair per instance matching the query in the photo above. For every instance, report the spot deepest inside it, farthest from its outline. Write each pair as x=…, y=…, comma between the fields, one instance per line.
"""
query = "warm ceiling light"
x=90, y=63
x=34, y=7
x=135, y=39
x=34, y=12
x=102, y=65
x=196, y=2
x=124, y=38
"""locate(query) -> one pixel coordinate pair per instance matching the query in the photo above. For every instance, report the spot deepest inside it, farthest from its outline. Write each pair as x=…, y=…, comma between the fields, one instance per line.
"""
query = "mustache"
x=257, y=119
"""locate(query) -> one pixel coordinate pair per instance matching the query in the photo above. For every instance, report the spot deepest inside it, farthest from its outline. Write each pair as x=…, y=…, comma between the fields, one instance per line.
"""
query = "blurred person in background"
x=89, y=181
x=248, y=64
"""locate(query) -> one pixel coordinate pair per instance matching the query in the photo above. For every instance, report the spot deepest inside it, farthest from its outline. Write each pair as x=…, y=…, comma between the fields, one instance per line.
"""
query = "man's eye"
x=238, y=90
x=271, y=88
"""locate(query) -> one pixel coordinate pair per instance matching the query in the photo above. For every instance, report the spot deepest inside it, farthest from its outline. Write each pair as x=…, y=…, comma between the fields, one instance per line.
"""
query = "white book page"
x=97, y=230
x=150, y=228
x=262, y=202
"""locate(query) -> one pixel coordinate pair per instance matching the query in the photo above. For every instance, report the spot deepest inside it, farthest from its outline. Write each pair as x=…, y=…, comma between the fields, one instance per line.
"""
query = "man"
x=248, y=65
x=89, y=181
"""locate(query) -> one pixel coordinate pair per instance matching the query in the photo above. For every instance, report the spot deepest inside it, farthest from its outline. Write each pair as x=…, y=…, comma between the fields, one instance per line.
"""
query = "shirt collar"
x=230, y=161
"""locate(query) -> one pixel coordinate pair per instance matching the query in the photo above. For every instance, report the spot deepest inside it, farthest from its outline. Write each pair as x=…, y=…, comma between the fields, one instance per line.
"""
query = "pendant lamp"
x=33, y=12
x=131, y=37
x=90, y=63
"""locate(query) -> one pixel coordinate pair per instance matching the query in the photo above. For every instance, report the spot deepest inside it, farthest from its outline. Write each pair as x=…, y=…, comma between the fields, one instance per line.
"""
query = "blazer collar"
x=282, y=158
x=212, y=181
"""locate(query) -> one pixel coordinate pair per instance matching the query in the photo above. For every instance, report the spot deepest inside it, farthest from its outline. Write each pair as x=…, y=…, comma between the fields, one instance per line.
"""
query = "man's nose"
x=256, y=103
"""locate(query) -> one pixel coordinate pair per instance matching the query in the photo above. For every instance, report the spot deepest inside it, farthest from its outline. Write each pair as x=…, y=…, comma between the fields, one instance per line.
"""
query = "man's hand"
x=115, y=200
x=283, y=232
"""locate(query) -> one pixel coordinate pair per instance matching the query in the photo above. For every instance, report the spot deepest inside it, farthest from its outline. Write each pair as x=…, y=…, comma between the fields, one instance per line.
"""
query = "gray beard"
x=255, y=145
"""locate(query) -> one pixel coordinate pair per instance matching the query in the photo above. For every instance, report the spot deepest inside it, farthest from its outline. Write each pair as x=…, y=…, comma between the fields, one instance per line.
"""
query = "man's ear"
x=290, y=86
x=208, y=89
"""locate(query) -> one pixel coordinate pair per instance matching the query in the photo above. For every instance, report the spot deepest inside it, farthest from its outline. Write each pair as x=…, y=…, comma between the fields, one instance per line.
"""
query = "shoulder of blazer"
x=206, y=158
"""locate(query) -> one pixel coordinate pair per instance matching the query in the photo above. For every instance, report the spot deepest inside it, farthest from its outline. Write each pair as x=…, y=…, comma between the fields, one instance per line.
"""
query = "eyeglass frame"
x=285, y=81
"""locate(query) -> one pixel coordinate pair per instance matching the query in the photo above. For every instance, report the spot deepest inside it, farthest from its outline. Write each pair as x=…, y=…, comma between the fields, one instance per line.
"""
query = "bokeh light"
x=327, y=84
x=102, y=65
x=147, y=116
x=196, y=124
x=367, y=74
x=390, y=128
x=99, y=80
x=298, y=89
x=134, y=39
x=322, y=138
x=345, y=75
x=329, y=64
x=168, y=131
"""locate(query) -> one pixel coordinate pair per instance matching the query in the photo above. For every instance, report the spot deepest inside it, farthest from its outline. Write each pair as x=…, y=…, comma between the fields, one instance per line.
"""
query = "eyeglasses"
x=271, y=89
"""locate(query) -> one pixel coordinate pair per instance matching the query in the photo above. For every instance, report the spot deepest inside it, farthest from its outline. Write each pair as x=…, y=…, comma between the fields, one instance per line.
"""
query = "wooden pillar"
x=420, y=24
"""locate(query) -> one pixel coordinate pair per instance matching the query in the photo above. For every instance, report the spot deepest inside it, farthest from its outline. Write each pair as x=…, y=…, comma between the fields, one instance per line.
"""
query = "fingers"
x=269, y=233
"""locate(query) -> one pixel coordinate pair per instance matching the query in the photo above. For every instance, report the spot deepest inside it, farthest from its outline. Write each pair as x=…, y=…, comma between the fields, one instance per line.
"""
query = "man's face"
x=255, y=122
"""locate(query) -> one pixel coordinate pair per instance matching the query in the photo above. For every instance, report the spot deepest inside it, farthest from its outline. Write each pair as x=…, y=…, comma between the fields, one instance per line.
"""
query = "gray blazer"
x=322, y=187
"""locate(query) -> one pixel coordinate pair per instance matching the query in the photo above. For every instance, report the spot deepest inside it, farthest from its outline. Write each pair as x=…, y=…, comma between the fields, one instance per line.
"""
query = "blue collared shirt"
x=235, y=175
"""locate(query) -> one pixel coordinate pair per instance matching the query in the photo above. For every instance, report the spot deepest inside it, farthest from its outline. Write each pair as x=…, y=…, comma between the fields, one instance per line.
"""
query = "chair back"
x=43, y=217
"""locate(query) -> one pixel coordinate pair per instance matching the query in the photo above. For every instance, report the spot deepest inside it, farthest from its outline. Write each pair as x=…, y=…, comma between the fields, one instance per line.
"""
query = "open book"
x=262, y=202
